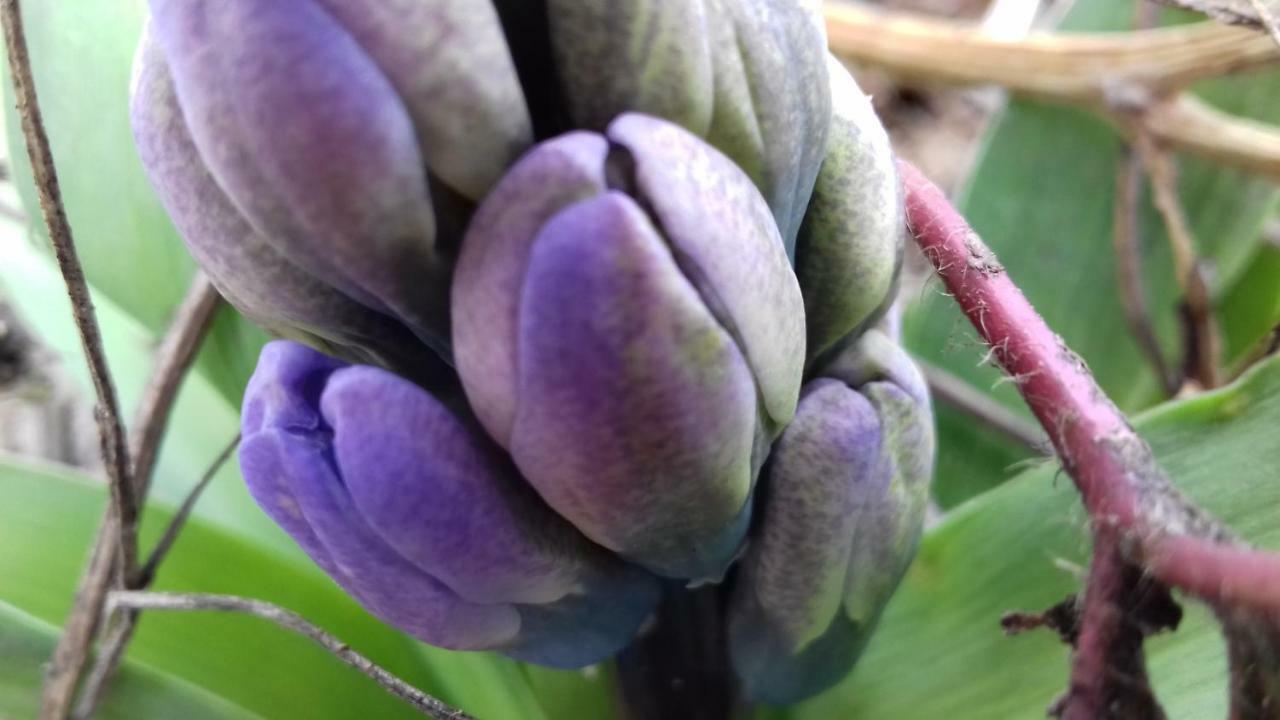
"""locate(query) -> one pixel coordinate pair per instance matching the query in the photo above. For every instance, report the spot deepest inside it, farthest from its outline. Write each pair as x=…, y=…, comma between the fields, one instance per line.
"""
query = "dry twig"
x=429, y=706
x=175, y=355
x=1127, y=240
x=1203, y=341
x=120, y=633
x=1113, y=74
x=68, y=657
x=959, y=394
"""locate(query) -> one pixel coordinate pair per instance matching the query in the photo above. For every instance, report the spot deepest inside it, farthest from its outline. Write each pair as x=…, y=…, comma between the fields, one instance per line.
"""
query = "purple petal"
x=383, y=581
x=443, y=496
x=419, y=517
x=491, y=267
x=251, y=274
x=310, y=141
x=636, y=410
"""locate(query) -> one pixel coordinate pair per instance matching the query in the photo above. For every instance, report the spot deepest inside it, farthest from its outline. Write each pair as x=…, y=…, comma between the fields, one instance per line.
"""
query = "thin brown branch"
x=1077, y=66
x=1127, y=241
x=68, y=657
x=960, y=395
x=196, y=602
x=116, y=640
x=1201, y=327
x=1109, y=73
x=165, y=544
x=174, y=357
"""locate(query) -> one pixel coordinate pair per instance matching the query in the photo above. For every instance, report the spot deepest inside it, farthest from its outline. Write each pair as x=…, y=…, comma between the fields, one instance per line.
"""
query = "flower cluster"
x=582, y=303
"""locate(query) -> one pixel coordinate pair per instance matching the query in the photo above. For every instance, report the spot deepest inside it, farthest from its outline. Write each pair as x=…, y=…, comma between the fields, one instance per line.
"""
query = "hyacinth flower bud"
x=627, y=326
x=344, y=144
x=747, y=76
x=420, y=518
x=845, y=493
x=850, y=245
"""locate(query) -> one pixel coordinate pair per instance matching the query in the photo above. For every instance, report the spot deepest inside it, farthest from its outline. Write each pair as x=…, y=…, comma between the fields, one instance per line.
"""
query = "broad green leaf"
x=940, y=652
x=1252, y=309
x=47, y=518
x=138, y=692
x=1042, y=196
x=81, y=56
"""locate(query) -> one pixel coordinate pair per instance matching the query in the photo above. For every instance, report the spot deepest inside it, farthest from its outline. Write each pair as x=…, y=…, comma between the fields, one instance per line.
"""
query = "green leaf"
x=47, y=518
x=1042, y=196
x=81, y=56
x=1252, y=308
x=138, y=692
x=940, y=652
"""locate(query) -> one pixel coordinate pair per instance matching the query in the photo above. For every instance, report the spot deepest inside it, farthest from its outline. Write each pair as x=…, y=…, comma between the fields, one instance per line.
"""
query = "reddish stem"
x=1112, y=467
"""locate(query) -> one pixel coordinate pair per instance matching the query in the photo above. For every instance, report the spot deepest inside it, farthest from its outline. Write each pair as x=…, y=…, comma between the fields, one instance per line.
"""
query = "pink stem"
x=1102, y=617
x=1112, y=467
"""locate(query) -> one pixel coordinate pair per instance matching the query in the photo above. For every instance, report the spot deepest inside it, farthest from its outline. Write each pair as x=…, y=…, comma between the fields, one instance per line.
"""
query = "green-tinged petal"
x=726, y=243
x=449, y=62
x=846, y=490
x=850, y=244
x=748, y=76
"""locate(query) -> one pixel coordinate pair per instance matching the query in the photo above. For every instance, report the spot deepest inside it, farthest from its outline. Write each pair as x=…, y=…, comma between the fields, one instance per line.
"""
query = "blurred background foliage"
x=1037, y=181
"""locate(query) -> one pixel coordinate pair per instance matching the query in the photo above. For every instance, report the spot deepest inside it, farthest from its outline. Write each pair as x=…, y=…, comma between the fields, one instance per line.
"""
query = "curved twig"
x=1118, y=75
x=69, y=656
x=427, y=705
x=117, y=637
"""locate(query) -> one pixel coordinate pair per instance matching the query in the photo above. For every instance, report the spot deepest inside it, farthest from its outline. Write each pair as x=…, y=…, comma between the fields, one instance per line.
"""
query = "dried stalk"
x=1127, y=241
x=960, y=395
x=68, y=657
x=176, y=353
x=1112, y=74
x=1203, y=339
x=148, y=570
x=116, y=639
x=189, y=602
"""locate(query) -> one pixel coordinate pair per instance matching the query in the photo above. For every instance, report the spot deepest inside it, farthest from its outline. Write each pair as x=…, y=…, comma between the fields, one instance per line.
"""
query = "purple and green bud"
x=626, y=324
x=847, y=485
x=637, y=349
